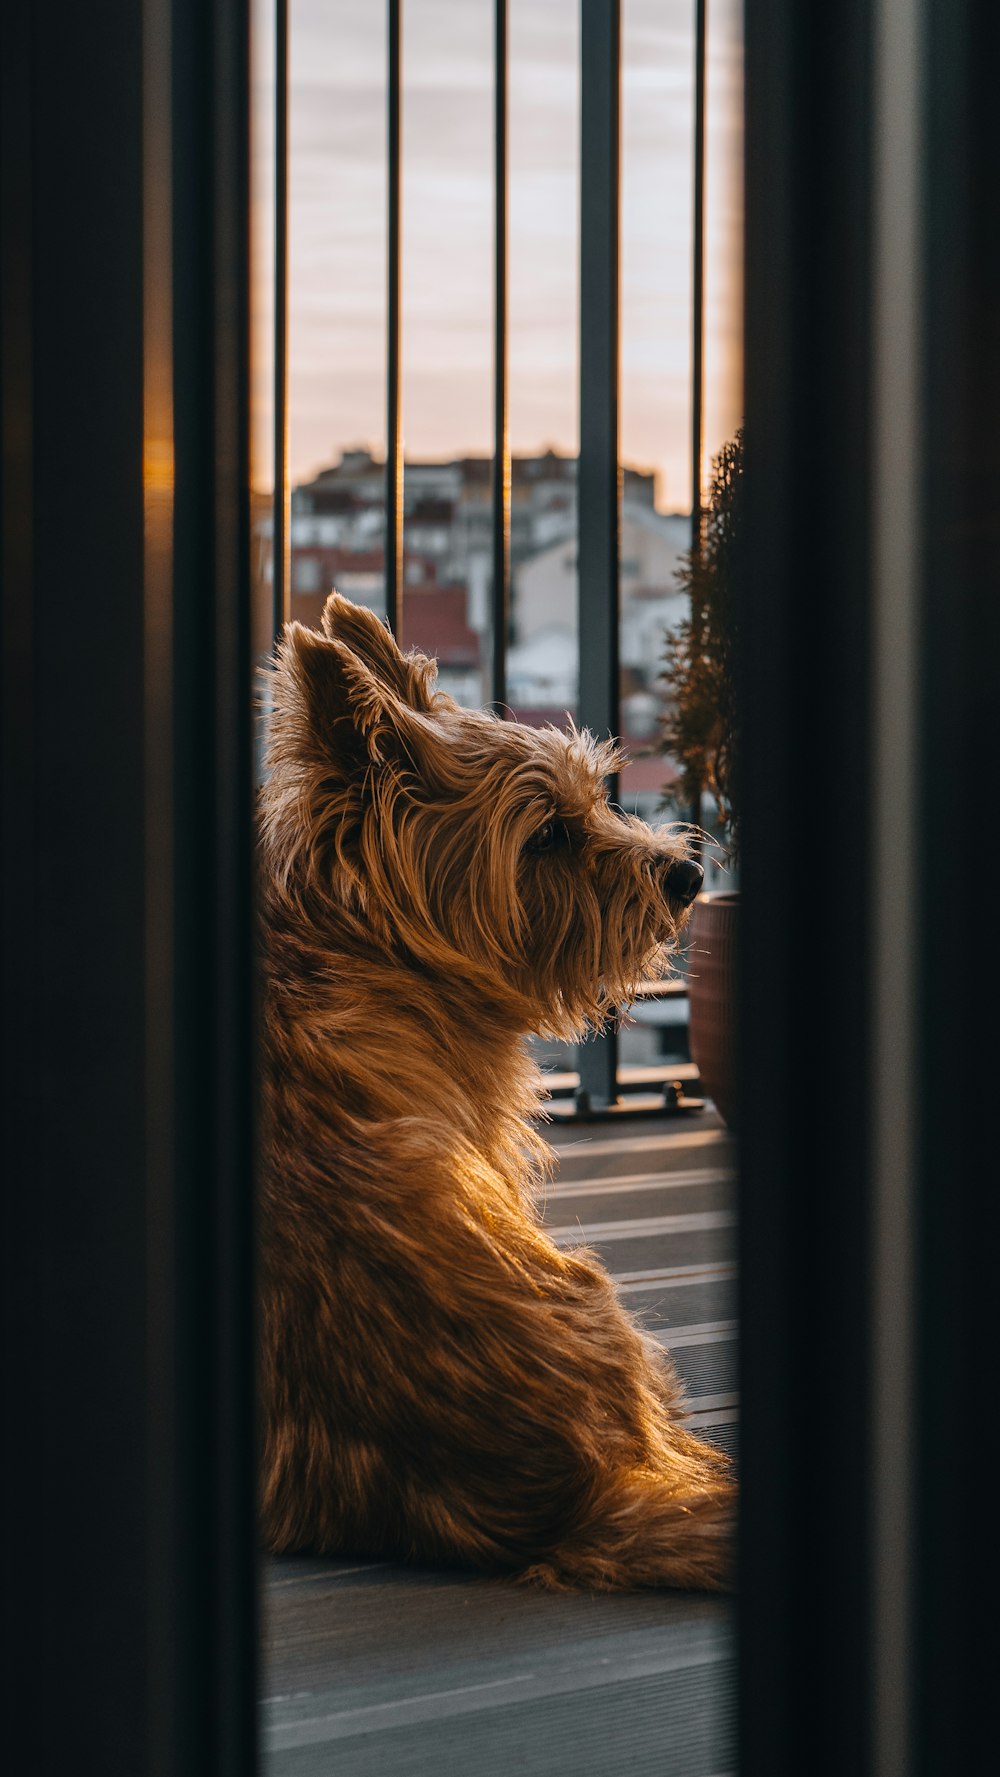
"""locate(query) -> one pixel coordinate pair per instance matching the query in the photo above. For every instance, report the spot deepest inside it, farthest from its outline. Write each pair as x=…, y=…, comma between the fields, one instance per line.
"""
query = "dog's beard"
x=576, y=990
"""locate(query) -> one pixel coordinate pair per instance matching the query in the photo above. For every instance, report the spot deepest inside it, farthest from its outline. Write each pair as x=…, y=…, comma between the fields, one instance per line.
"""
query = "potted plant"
x=699, y=730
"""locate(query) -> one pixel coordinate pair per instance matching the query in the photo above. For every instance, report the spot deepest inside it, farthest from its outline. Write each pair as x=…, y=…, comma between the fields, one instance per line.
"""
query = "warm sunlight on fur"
x=440, y=1381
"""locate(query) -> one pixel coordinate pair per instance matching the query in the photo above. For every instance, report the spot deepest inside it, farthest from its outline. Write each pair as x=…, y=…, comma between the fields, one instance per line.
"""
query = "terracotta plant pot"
x=712, y=988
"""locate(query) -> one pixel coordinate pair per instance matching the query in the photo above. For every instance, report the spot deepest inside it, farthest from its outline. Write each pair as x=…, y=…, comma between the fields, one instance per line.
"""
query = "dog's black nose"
x=684, y=879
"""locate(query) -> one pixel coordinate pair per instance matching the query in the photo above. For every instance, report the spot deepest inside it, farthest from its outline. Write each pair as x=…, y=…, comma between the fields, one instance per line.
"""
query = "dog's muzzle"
x=683, y=880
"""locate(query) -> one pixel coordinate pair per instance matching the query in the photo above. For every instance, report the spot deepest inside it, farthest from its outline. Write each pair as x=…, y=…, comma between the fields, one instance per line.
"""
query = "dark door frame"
x=871, y=665
x=127, y=1009
x=871, y=658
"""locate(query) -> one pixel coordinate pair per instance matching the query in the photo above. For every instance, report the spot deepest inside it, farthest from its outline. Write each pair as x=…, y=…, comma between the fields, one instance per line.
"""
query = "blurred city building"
x=336, y=539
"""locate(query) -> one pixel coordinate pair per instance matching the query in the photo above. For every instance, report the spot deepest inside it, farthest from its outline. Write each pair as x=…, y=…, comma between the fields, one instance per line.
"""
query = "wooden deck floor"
x=374, y=1670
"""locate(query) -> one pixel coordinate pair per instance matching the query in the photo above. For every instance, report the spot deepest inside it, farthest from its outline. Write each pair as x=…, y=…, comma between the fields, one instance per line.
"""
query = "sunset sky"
x=337, y=211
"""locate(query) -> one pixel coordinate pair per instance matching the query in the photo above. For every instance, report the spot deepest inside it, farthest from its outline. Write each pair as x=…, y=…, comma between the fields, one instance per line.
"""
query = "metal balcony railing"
x=600, y=1081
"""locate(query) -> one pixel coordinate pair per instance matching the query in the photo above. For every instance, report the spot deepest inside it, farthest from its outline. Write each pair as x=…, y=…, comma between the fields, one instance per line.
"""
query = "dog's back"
x=439, y=1380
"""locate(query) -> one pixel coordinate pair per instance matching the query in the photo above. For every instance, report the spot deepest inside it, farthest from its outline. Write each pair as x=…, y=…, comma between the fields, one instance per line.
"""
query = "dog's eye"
x=545, y=838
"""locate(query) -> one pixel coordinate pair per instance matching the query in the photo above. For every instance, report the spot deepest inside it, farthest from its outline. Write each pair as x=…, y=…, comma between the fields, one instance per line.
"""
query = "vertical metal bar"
x=280, y=528
x=599, y=473
x=501, y=443
x=698, y=303
x=897, y=296
x=393, y=424
x=698, y=274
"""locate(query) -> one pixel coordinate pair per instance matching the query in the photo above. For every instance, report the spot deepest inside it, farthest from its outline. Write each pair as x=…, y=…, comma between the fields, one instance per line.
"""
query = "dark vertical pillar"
x=394, y=420
x=126, y=1011
x=871, y=665
x=205, y=1276
x=500, y=606
x=806, y=1593
x=599, y=474
x=75, y=1346
x=958, y=1442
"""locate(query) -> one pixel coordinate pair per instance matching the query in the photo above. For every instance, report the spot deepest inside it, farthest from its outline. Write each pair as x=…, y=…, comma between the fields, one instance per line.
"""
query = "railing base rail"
x=641, y=1092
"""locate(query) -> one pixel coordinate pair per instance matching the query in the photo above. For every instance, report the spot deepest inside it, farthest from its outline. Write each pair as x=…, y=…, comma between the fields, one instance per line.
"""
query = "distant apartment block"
x=336, y=539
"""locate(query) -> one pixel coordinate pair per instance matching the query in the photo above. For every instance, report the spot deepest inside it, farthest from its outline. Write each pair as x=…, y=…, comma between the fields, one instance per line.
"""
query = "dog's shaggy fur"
x=439, y=1381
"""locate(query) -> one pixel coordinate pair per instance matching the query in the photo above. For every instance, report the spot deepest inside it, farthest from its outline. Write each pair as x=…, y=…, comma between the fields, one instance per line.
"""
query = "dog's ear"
x=409, y=676
x=336, y=689
x=335, y=702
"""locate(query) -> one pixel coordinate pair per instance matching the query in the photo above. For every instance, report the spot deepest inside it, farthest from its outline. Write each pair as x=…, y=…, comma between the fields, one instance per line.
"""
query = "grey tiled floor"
x=374, y=1669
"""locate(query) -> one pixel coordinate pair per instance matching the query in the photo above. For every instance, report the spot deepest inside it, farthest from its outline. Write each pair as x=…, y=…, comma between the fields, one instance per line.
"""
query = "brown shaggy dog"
x=440, y=1382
